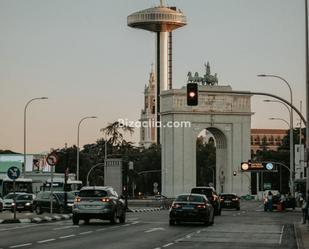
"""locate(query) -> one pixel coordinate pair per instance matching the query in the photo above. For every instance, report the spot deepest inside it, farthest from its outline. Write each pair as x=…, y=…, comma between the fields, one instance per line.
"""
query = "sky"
x=82, y=56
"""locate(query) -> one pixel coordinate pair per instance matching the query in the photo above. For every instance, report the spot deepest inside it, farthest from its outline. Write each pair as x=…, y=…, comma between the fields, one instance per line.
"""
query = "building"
x=148, y=113
x=271, y=139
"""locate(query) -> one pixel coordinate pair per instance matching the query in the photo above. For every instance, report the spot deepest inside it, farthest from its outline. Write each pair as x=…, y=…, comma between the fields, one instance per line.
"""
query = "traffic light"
x=192, y=94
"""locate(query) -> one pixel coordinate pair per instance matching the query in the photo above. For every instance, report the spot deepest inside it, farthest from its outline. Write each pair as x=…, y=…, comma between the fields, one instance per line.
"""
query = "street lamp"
x=25, y=123
x=77, y=156
x=291, y=145
x=291, y=126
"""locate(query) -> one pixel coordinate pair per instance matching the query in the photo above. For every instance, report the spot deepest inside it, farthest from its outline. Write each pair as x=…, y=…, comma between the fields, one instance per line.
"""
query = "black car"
x=230, y=200
x=211, y=195
x=99, y=202
x=42, y=202
x=23, y=202
x=191, y=208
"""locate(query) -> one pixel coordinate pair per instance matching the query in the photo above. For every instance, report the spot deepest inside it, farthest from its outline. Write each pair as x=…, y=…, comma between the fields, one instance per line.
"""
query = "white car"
x=9, y=199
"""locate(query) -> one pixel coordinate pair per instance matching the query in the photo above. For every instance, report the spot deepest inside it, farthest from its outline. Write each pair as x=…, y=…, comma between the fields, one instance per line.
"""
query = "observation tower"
x=162, y=20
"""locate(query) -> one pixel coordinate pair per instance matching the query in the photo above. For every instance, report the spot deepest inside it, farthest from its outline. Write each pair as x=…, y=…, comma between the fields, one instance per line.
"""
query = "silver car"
x=98, y=202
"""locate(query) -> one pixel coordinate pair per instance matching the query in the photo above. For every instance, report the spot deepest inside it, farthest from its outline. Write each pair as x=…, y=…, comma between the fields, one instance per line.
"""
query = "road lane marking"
x=67, y=236
x=101, y=229
x=66, y=227
x=21, y=245
x=154, y=229
x=280, y=240
x=45, y=241
x=169, y=244
x=86, y=232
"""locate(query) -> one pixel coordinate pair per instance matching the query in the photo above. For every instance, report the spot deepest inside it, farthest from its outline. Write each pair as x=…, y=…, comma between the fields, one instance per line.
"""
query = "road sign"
x=52, y=159
x=258, y=166
x=13, y=173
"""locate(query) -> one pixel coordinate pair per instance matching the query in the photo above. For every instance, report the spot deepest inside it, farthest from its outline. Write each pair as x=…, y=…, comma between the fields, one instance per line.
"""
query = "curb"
x=145, y=210
x=38, y=219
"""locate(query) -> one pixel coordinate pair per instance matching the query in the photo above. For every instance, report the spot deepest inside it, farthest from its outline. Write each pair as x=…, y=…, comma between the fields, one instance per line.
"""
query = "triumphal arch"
x=226, y=116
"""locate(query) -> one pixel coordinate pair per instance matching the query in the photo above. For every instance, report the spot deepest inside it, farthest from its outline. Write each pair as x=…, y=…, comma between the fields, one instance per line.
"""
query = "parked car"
x=99, y=202
x=9, y=199
x=230, y=200
x=1, y=204
x=193, y=208
x=42, y=202
x=23, y=202
x=211, y=195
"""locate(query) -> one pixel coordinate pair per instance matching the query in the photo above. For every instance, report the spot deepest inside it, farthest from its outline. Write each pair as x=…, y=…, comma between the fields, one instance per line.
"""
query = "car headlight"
x=13, y=204
x=28, y=204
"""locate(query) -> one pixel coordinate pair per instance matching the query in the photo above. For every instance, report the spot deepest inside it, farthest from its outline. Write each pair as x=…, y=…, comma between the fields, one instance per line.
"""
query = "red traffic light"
x=192, y=94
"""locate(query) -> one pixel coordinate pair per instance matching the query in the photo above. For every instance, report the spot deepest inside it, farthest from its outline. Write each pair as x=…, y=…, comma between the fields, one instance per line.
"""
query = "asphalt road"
x=250, y=227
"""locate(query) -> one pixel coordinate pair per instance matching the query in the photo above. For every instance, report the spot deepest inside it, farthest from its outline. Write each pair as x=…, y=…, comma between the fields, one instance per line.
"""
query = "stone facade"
x=226, y=116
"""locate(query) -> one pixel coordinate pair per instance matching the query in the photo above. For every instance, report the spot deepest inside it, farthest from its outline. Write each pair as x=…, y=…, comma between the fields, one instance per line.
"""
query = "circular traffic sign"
x=244, y=166
x=13, y=173
x=52, y=159
x=269, y=166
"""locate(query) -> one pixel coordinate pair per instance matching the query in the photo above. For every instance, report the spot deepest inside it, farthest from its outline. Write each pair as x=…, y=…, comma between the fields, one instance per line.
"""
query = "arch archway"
x=227, y=117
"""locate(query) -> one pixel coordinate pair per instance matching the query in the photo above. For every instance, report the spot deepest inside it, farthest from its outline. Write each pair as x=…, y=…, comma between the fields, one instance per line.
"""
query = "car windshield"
x=61, y=196
x=190, y=198
x=92, y=193
x=24, y=197
x=228, y=196
x=204, y=191
x=10, y=196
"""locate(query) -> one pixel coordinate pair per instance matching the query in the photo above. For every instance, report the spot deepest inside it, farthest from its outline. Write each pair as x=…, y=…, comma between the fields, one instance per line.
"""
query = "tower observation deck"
x=162, y=20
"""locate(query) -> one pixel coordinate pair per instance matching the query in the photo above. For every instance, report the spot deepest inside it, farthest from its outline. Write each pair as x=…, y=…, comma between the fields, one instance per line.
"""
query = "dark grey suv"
x=98, y=202
x=211, y=195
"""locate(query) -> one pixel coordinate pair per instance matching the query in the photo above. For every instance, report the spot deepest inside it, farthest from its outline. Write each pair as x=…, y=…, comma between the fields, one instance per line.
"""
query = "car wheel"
x=38, y=210
x=122, y=218
x=61, y=210
x=113, y=219
x=86, y=221
x=75, y=219
x=172, y=222
x=238, y=208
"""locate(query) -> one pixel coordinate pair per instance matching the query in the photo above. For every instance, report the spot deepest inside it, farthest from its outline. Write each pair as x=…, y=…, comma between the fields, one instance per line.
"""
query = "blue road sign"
x=13, y=173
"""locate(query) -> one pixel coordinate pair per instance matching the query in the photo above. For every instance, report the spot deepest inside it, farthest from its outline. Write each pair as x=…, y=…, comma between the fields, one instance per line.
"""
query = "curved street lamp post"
x=77, y=153
x=25, y=131
x=291, y=127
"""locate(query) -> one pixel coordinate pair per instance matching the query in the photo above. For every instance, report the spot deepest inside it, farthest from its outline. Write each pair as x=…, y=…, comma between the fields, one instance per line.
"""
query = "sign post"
x=52, y=160
x=14, y=173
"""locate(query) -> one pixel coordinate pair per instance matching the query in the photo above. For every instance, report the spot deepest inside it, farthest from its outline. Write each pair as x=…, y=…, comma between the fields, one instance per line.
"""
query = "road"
x=248, y=228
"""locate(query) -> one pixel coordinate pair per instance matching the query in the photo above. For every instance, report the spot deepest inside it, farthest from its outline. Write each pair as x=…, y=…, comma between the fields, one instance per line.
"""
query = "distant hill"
x=8, y=152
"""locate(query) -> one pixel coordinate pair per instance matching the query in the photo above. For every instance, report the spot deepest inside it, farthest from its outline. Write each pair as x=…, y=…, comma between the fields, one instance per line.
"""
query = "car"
x=9, y=199
x=230, y=200
x=211, y=195
x=42, y=202
x=23, y=202
x=1, y=204
x=99, y=202
x=191, y=208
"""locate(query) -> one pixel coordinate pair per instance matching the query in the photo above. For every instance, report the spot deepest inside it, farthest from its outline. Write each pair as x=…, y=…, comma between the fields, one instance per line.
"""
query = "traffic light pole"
x=258, y=93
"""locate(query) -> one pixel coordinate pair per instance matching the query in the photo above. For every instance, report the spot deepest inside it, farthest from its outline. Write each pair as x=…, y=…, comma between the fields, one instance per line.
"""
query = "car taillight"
x=77, y=199
x=105, y=199
x=201, y=206
x=176, y=205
